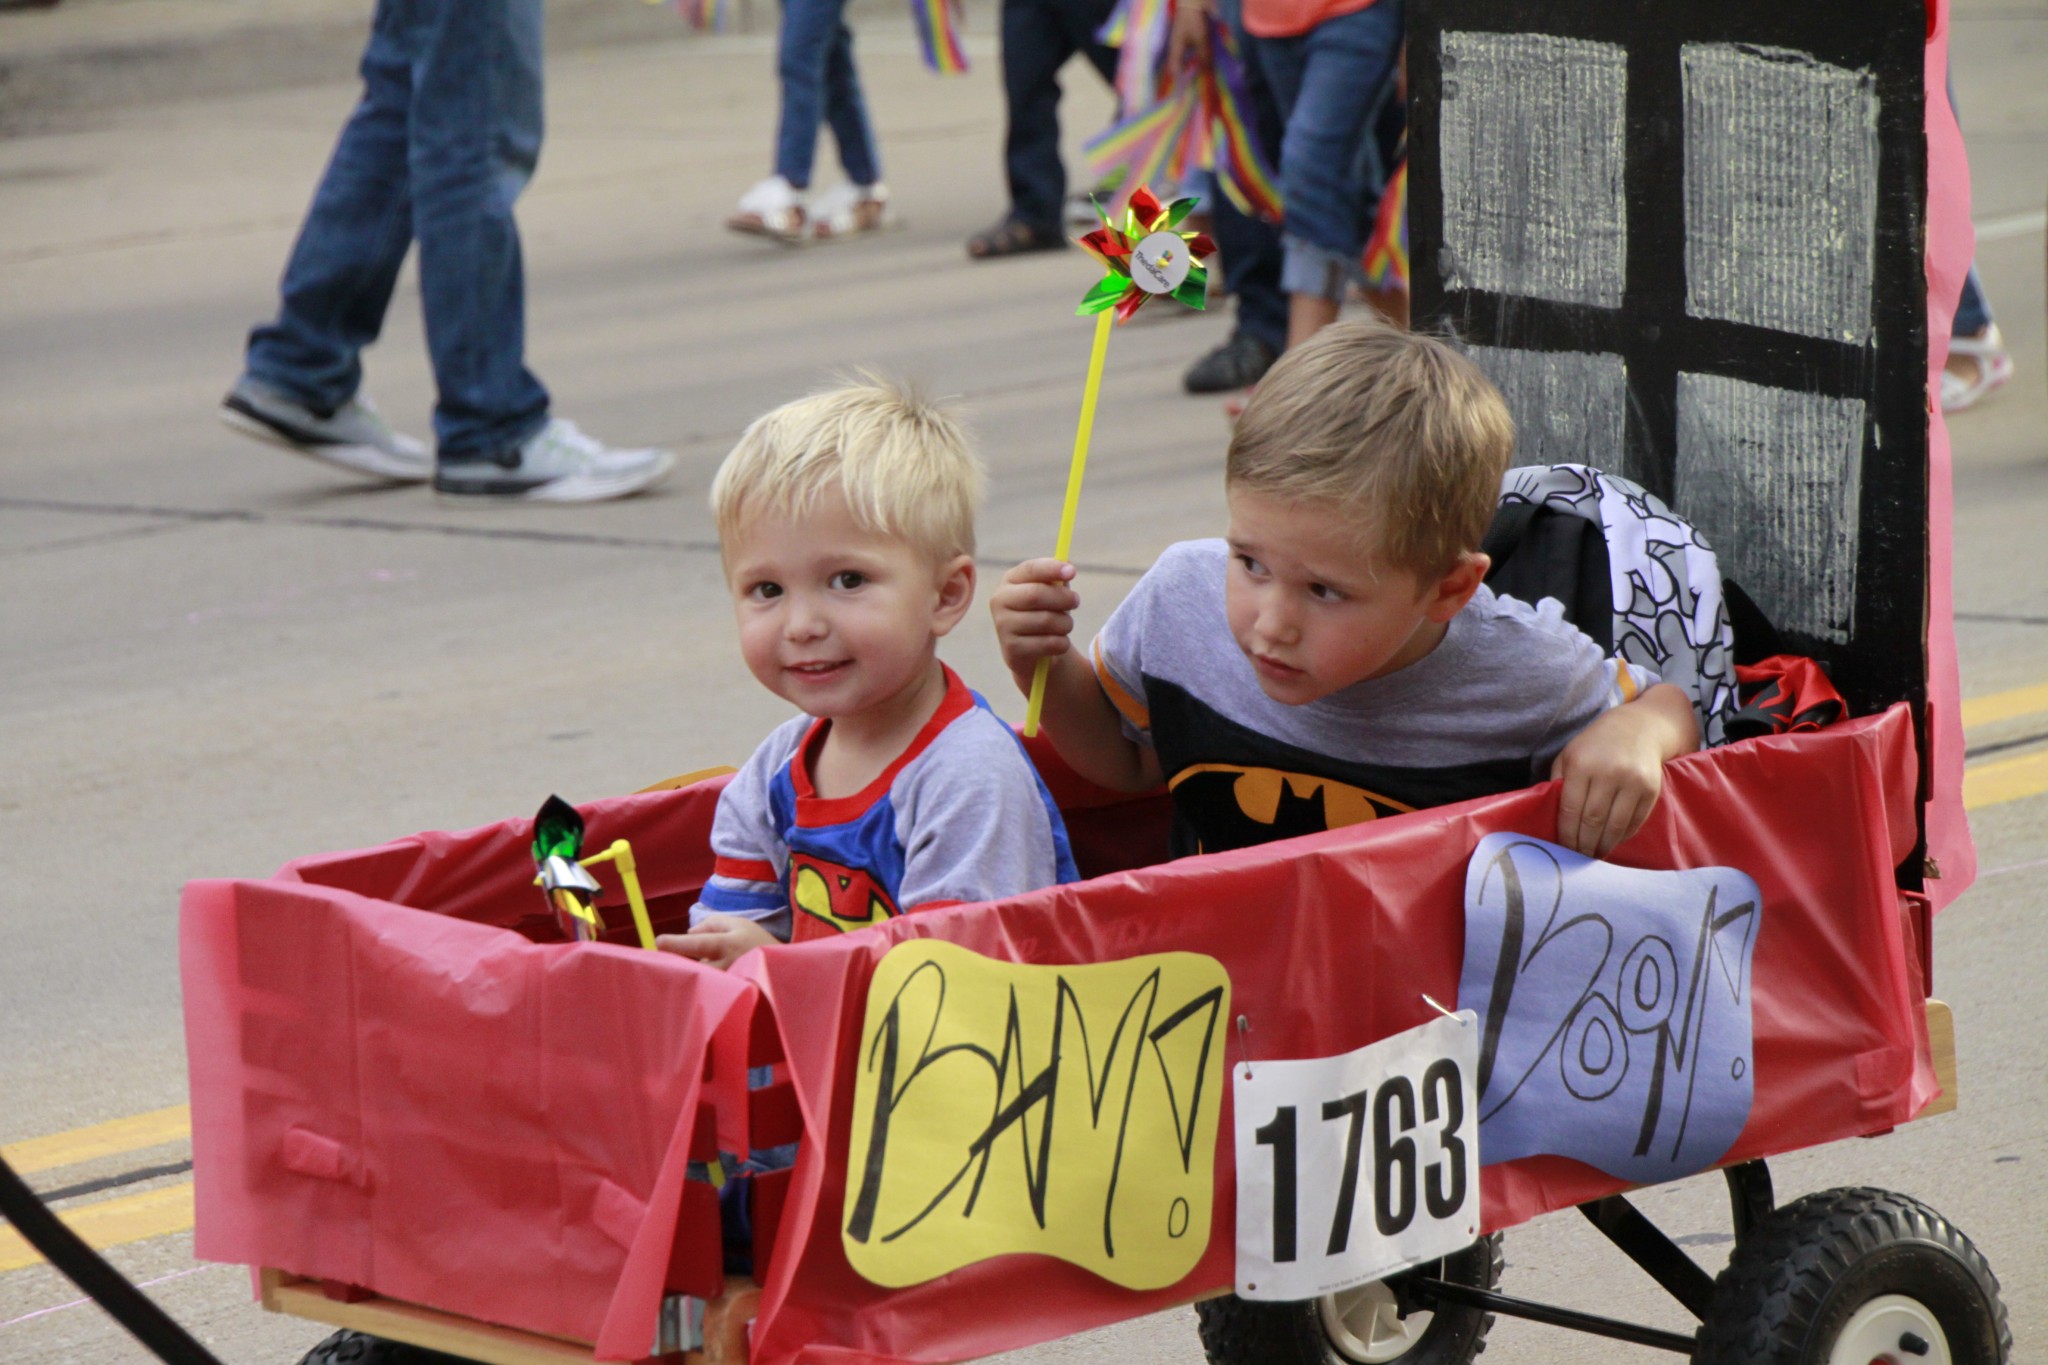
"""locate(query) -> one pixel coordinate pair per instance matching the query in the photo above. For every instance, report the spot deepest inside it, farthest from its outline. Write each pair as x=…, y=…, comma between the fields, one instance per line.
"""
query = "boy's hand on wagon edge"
x=1610, y=788
x=717, y=942
x=1613, y=771
x=1034, y=614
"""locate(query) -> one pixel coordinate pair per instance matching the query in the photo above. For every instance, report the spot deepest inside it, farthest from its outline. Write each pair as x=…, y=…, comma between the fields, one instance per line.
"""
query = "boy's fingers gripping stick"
x=1144, y=258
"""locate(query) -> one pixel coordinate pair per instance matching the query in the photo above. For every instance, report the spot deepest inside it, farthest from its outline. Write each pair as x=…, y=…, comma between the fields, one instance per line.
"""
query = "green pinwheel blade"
x=1179, y=209
x=557, y=831
x=1194, y=290
x=1106, y=292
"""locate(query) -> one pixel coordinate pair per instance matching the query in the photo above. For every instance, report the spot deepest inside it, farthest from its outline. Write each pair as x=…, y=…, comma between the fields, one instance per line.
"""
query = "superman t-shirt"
x=961, y=815
x=1486, y=711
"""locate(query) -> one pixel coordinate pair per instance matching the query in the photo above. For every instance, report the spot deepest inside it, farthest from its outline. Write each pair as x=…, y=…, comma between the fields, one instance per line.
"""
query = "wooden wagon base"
x=724, y=1336
x=724, y=1332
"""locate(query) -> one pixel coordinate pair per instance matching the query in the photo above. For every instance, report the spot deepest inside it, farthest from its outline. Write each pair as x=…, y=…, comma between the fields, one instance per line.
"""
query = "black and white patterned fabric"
x=1669, y=613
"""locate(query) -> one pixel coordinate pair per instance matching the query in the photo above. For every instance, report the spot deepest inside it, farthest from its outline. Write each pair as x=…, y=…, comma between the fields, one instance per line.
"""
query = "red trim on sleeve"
x=745, y=870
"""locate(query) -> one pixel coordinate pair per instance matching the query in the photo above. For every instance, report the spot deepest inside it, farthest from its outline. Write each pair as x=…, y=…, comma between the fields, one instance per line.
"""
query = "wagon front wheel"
x=1362, y=1326
x=360, y=1348
x=1851, y=1277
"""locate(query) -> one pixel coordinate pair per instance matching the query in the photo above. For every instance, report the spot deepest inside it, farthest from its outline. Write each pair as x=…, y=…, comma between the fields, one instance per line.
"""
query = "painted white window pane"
x=1781, y=164
x=1533, y=149
x=1772, y=478
x=1570, y=407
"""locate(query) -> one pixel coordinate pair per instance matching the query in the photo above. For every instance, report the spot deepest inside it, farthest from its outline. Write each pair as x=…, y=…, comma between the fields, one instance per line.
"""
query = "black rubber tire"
x=1240, y=1332
x=359, y=1348
x=1805, y=1270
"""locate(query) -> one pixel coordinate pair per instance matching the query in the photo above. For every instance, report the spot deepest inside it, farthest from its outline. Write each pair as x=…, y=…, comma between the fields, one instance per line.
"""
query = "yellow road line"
x=131, y=1218
x=2022, y=701
x=2007, y=779
x=101, y=1139
x=2010, y=779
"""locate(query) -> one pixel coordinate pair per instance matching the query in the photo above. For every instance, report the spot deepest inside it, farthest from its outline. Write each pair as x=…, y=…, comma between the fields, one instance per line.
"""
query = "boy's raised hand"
x=1613, y=770
x=718, y=941
x=1034, y=614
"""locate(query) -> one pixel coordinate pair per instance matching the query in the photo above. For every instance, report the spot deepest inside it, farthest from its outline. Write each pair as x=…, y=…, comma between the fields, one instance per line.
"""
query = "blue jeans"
x=1328, y=85
x=1973, y=310
x=445, y=137
x=819, y=85
x=1038, y=38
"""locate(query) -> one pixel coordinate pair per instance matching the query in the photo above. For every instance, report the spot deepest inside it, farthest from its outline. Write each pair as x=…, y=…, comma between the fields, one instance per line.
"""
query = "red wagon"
x=425, y=1117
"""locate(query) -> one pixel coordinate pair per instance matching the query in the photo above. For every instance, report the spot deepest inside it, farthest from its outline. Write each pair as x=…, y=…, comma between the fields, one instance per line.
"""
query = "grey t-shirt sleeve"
x=972, y=818
x=1586, y=682
x=1184, y=585
x=746, y=843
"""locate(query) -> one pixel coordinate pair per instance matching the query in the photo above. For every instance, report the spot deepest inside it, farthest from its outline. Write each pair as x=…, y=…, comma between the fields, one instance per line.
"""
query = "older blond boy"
x=846, y=530
x=1337, y=657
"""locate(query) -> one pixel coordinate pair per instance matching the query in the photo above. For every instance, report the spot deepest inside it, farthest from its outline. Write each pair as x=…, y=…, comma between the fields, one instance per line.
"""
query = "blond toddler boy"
x=846, y=531
x=1336, y=657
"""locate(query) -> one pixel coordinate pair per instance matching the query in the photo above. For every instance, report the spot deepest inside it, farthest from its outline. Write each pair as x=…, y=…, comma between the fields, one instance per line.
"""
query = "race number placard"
x=1351, y=1168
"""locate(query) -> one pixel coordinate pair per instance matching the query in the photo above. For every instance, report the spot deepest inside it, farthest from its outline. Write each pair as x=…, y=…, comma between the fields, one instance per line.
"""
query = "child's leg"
x=1327, y=82
x=809, y=28
x=847, y=112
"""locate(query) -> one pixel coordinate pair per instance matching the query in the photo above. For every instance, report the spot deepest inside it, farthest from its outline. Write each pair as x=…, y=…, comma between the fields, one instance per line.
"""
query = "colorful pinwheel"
x=1144, y=257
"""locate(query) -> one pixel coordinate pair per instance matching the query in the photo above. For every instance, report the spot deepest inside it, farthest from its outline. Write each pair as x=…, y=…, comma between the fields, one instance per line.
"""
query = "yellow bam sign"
x=1069, y=1111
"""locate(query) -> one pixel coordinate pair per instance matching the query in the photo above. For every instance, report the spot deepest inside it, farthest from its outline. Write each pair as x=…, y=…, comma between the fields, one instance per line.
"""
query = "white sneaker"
x=353, y=437
x=556, y=464
x=771, y=208
x=847, y=210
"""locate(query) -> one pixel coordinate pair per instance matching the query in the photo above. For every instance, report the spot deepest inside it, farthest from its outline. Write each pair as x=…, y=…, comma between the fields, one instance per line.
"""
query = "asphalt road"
x=218, y=657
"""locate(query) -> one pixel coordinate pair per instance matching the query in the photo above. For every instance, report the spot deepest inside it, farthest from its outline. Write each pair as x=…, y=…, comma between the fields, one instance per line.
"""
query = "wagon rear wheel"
x=1855, y=1277
x=1361, y=1326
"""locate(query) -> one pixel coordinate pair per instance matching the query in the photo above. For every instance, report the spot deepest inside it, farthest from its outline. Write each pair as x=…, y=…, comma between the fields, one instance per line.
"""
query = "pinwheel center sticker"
x=1069, y=1111
x=1162, y=261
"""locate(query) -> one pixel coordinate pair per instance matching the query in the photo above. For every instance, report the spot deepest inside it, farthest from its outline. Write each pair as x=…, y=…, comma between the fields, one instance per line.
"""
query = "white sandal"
x=849, y=210
x=1987, y=354
x=771, y=208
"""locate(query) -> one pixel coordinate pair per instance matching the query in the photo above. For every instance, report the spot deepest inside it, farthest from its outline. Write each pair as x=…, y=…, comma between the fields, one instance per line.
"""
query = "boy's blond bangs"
x=901, y=461
x=1394, y=425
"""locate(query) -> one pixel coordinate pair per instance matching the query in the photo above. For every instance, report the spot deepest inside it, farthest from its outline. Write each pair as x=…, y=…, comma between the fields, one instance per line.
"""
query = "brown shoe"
x=1014, y=237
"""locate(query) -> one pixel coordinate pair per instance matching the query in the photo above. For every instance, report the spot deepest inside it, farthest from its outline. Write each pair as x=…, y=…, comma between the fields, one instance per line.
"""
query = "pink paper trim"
x=1951, y=243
